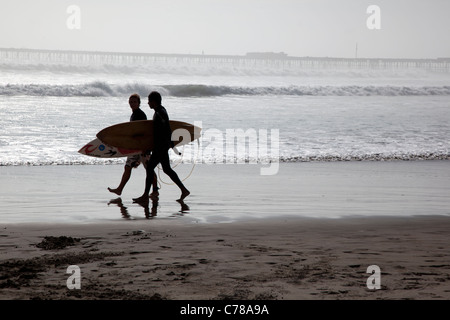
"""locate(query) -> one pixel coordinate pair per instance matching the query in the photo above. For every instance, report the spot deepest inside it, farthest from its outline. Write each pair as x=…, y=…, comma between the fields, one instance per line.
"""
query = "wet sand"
x=227, y=193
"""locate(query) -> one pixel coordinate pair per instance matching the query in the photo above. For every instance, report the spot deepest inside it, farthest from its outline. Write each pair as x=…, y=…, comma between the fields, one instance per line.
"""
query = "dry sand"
x=286, y=259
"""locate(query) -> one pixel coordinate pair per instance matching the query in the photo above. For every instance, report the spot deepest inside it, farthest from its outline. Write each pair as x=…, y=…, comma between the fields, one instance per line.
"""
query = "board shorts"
x=135, y=160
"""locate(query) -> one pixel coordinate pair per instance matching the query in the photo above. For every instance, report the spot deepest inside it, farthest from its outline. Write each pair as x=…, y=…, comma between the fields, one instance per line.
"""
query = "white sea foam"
x=36, y=130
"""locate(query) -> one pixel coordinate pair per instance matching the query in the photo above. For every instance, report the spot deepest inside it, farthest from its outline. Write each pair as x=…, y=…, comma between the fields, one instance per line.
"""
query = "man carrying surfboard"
x=135, y=160
x=162, y=143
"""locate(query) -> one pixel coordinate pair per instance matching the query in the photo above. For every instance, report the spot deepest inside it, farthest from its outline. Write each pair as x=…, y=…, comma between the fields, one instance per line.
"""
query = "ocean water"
x=303, y=118
x=48, y=112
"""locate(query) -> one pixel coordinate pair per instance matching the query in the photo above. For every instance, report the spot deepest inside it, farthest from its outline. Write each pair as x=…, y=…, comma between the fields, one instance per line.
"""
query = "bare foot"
x=154, y=198
x=154, y=194
x=184, y=194
x=116, y=191
x=115, y=201
x=184, y=206
x=141, y=199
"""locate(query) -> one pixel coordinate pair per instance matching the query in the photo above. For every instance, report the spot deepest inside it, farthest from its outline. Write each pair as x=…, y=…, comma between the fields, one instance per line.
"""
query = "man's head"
x=154, y=99
x=134, y=101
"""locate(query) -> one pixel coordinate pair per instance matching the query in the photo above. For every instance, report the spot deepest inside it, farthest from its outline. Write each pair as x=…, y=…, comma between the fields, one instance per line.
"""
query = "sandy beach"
x=290, y=259
x=311, y=236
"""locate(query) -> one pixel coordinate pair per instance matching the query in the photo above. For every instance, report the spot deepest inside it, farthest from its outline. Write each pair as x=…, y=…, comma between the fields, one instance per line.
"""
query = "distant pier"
x=281, y=61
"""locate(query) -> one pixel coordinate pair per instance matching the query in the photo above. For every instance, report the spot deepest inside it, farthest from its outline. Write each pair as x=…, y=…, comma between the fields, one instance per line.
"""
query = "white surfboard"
x=96, y=148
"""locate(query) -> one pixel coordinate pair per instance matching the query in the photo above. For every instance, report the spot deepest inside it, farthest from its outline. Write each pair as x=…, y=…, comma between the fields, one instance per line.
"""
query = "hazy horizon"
x=412, y=29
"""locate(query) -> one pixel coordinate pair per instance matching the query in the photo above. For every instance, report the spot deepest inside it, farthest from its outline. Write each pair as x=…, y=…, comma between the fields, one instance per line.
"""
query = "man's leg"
x=150, y=176
x=125, y=177
x=165, y=163
x=144, y=160
x=155, y=192
x=132, y=162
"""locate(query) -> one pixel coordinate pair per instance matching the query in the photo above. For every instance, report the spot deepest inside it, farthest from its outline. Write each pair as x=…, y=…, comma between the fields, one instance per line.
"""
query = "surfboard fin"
x=176, y=151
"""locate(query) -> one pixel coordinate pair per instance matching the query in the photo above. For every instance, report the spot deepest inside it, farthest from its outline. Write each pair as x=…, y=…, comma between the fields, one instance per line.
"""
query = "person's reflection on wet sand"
x=184, y=207
x=149, y=213
x=123, y=209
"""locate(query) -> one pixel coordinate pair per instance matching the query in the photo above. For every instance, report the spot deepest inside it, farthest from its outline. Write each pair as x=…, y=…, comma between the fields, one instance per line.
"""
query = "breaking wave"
x=103, y=89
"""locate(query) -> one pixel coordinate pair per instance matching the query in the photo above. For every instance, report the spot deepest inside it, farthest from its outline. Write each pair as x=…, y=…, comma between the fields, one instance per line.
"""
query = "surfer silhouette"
x=134, y=161
x=162, y=137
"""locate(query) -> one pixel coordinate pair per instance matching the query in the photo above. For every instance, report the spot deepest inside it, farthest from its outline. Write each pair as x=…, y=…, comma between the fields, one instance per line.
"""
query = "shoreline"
x=289, y=259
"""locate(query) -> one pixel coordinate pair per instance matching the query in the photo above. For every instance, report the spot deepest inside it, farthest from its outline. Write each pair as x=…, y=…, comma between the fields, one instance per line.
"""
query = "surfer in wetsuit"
x=162, y=137
x=135, y=160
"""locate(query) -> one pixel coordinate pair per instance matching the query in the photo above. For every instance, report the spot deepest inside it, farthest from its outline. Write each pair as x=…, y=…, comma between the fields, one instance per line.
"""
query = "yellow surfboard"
x=138, y=135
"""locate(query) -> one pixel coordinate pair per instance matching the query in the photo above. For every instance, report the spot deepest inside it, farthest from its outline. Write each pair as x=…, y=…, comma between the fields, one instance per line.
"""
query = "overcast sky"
x=409, y=28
